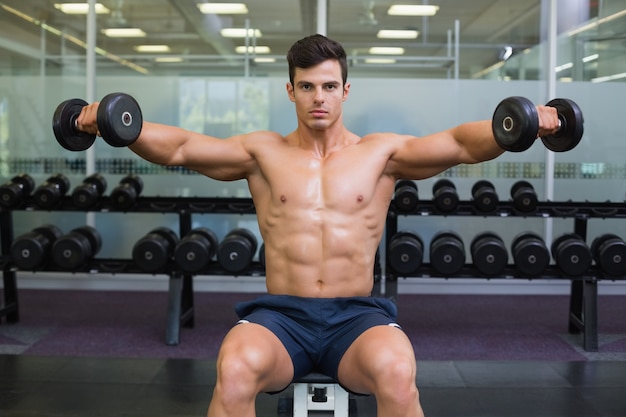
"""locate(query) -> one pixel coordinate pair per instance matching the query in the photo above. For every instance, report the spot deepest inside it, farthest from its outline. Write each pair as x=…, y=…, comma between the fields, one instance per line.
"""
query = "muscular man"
x=321, y=195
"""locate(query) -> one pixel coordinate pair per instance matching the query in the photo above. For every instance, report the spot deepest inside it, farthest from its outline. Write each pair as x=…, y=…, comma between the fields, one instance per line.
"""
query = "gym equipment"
x=489, y=253
x=30, y=250
x=262, y=255
x=236, y=250
x=13, y=192
x=317, y=392
x=445, y=195
x=515, y=124
x=405, y=195
x=87, y=194
x=524, y=196
x=119, y=121
x=571, y=254
x=405, y=252
x=196, y=249
x=49, y=193
x=530, y=254
x=485, y=197
x=75, y=248
x=125, y=194
x=609, y=252
x=152, y=252
x=447, y=253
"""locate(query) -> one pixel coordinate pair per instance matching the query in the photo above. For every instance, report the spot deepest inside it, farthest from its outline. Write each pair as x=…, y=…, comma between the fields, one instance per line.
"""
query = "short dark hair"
x=313, y=50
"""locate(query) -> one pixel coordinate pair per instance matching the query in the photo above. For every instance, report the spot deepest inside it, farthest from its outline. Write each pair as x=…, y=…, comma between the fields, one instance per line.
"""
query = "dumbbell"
x=571, y=254
x=49, y=193
x=445, y=195
x=152, y=252
x=262, y=255
x=75, y=248
x=87, y=194
x=530, y=254
x=609, y=252
x=489, y=253
x=119, y=121
x=524, y=196
x=515, y=125
x=405, y=252
x=125, y=194
x=13, y=192
x=196, y=249
x=236, y=250
x=484, y=196
x=447, y=253
x=30, y=250
x=405, y=195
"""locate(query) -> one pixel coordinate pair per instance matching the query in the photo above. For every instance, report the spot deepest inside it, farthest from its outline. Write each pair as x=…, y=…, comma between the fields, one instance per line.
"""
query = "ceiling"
x=486, y=26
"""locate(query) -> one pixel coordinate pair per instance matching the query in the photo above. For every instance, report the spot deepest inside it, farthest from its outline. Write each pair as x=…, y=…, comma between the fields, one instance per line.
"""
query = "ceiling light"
x=124, y=32
x=253, y=50
x=397, y=34
x=240, y=33
x=412, y=10
x=168, y=59
x=264, y=60
x=152, y=48
x=386, y=50
x=563, y=67
x=223, y=8
x=591, y=58
x=380, y=61
x=80, y=8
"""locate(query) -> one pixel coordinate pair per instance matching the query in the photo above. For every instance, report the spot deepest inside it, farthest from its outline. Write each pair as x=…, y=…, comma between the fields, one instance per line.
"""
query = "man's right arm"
x=221, y=159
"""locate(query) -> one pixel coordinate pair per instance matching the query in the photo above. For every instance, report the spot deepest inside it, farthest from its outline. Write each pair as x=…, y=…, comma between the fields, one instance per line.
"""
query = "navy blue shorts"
x=317, y=331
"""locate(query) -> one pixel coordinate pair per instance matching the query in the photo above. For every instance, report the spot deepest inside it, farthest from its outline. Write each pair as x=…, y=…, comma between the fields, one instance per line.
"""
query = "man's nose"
x=319, y=94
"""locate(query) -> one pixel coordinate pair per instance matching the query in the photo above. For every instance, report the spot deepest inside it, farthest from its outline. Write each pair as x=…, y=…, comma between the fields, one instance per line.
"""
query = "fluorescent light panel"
x=168, y=59
x=152, y=48
x=223, y=8
x=264, y=60
x=413, y=10
x=124, y=32
x=386, y=50
x=80, y=8
x=380, y=61
x=240, y=33
x=253, y=49
x=397, y=34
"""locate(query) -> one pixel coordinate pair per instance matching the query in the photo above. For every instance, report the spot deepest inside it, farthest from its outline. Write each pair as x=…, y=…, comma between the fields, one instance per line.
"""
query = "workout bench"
x=319, y=392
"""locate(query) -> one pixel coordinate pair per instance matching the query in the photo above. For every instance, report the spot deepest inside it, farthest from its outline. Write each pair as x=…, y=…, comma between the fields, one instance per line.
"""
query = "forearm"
x=477, y=141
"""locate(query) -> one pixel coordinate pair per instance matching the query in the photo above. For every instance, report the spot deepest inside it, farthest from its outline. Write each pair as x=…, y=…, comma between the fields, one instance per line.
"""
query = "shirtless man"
x=321, y=195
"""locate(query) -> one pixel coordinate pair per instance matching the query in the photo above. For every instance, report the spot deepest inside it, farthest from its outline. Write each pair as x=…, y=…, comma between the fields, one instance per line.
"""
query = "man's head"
x=313, y=50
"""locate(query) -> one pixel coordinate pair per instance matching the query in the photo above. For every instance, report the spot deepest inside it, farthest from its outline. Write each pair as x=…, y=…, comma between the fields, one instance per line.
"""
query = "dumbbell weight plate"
x=571, y=253
x=405, y=195
x=572, y=126
x=530, y=254
x=30, y=250
x=447, y=253
x=125, y=194
x=119, y=119
x=445, y=195
x=405, y=252
x=609, y=250
x=195, y=251
x=485, y=196
x=524, y=196
x=237, y=249
x=152, y=252
x=515, y=124
x=489, y=253
x=64, y=126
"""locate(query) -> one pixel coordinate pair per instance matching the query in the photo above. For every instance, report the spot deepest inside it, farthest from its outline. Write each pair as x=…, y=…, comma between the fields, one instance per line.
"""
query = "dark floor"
x=94, y=387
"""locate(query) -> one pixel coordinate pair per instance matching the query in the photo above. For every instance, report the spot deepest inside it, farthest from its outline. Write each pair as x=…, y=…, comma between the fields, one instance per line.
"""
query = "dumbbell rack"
x=180, y=291
x=583, y=306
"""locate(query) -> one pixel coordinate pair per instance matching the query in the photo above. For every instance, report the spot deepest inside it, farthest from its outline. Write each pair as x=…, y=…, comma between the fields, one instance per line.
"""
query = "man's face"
x=318, y=93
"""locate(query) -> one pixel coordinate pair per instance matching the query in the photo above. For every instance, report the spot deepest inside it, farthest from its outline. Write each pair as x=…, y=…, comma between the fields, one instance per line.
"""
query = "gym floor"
x=80, y=387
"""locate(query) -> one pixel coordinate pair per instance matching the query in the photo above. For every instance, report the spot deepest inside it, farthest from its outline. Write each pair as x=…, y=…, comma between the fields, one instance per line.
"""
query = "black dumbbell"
x=13, y=192
x=609, y=251
x=125, y=194
x=524, y=196
x=571, y=254
x=489, y=253
x=236, y=250
x=530, y=254
x=31, y=250
x=515, y=125
x=196, y=249
x=119, y=121
x=405, y=252
x=445, y=195
x=262, y=255
x=447, y=253
x=484, y=196
x=75, y=248
x=87, y=194
x=50, y=192
x=152, y=252
x=405, y=195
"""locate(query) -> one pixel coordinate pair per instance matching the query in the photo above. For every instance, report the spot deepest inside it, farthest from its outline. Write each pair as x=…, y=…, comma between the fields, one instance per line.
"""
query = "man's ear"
x=346, y=90
x=290, y=92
